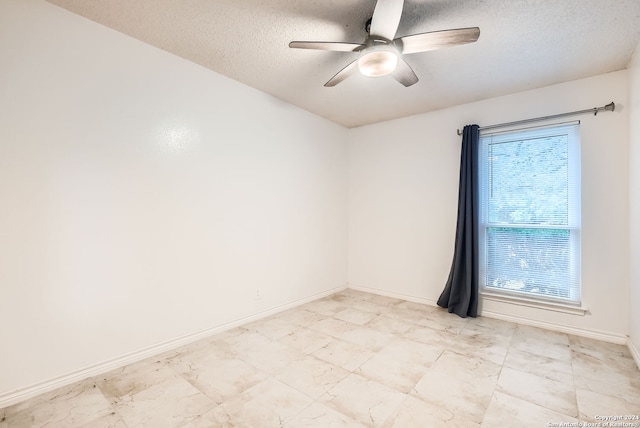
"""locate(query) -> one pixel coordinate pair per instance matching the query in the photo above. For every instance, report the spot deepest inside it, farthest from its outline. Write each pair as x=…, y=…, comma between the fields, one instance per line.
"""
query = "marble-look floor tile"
x=366, y=337
x=344, y=354
x=592, y=363
x=212, y=345
x=355, y=316
x=481, y=344
x=612, y=384
x=326, y=306
x=320, y=416
x=272, y=358
x=401, y=364
x=415, y=413
x=389, y=325
x=499, y=330
x=363, y=400
x=370, y=307
x=547, y=367
x=412, y=352
x=347, y=297
x=133, y=378
x=111, y=420
x=411, y=316
x=207, y=355
x=225, y=379
x=359, y=335
x=270, y=403
x=273, y=327
x=381, y=300
x=333, y=327
x=588, y=345
x=542, y=342
x=306, y=340
x=247, y=342
x=544, y=392
x=505, y=410
x=227, y=334
x=430, y=336
x=548, y=336
x=312, y=376
x=413, y=306
x=301, y=317
x=592, y=404
x=171, y=403
x=462, y=385
x=74, y=405
x=349, y=293
x=605, y=369
x=444, y=321
x=217, y=418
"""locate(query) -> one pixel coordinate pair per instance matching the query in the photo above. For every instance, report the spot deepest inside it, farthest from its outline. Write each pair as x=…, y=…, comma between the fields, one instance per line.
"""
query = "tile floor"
x=356, y=360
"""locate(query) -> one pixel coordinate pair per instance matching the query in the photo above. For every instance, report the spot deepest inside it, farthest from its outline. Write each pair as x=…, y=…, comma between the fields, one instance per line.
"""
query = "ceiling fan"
x=380, y=54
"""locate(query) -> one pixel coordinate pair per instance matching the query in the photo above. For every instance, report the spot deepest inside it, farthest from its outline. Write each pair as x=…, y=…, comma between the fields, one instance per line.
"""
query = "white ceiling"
x=524, y=44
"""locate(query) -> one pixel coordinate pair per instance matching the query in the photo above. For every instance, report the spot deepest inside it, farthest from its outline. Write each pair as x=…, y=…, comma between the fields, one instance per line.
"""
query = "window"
x=529, y=235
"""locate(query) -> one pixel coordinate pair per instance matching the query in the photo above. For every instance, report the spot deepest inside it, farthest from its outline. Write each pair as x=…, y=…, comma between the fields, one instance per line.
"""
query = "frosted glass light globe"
x=377, y=61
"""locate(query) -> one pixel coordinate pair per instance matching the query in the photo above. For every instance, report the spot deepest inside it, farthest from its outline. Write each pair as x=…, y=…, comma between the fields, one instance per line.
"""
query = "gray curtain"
x=460, y=295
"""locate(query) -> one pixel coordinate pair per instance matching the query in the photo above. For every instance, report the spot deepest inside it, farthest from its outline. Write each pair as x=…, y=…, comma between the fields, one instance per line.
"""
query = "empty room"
x=359, y=213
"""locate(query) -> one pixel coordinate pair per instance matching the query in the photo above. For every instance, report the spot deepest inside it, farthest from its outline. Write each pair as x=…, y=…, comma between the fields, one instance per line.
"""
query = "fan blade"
x=327, y=46
x=436, y=39
x=404, y=73
x=386, y=17
x=342, y=74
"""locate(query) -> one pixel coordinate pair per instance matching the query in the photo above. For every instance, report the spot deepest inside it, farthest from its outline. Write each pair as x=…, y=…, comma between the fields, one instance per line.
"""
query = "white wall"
x=634, y=195
x=144, y=198
x=403, y=177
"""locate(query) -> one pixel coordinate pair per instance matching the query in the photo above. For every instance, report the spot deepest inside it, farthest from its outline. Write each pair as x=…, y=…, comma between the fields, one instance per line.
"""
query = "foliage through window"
x=529, y=235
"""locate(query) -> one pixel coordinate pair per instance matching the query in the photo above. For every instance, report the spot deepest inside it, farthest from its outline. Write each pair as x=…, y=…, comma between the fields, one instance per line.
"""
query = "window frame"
x=572, y=130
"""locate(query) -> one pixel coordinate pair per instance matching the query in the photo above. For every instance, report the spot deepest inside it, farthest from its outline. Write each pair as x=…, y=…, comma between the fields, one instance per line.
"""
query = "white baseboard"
x=16, y=396
x=592, y=334
x=634, y=351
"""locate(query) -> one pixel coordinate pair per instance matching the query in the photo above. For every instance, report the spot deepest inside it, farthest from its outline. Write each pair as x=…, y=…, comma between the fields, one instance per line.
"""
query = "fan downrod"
x=367, y=26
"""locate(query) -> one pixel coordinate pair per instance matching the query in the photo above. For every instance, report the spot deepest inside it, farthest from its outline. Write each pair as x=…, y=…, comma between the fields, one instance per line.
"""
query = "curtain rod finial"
x=458, y=132
x=609, y=107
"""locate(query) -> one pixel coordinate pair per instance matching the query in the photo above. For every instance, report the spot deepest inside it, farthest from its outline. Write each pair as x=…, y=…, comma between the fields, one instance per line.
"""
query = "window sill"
x=530, y=303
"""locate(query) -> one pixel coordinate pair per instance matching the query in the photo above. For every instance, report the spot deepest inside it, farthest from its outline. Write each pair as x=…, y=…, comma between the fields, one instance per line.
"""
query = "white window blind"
x=529, y=235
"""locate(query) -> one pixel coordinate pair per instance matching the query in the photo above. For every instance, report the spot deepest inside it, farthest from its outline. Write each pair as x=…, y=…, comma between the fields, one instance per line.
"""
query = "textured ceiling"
x=523, y=44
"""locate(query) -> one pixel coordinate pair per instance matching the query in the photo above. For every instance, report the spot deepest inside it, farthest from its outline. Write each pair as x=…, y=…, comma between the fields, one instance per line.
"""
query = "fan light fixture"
x=382, y=53
x=378, y=61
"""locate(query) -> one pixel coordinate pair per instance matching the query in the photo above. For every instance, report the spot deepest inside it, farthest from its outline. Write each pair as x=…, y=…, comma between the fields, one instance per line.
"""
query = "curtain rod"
x=609, y=107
